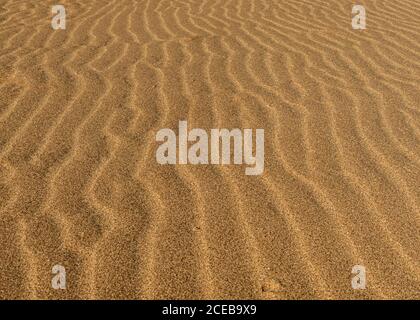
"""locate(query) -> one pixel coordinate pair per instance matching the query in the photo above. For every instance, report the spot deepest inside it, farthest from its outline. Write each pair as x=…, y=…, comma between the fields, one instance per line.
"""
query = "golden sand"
x=80, y=186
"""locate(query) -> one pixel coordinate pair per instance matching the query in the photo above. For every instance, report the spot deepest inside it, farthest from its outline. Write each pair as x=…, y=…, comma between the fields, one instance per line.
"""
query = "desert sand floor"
x=80, y=185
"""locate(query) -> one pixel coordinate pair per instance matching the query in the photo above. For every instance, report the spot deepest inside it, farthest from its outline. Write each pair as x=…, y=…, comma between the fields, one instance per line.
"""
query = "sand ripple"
x=80, y=187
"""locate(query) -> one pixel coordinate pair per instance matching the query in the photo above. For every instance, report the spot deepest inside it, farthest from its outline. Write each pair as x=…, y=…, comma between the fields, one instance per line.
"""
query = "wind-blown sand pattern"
x=79, y=182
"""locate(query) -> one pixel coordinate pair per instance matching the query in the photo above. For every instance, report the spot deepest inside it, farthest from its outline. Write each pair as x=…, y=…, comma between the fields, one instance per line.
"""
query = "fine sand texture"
x=80, y=185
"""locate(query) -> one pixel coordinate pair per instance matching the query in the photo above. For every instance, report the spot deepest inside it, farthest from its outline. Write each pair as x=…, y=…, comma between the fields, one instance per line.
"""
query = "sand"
x=80, y=186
